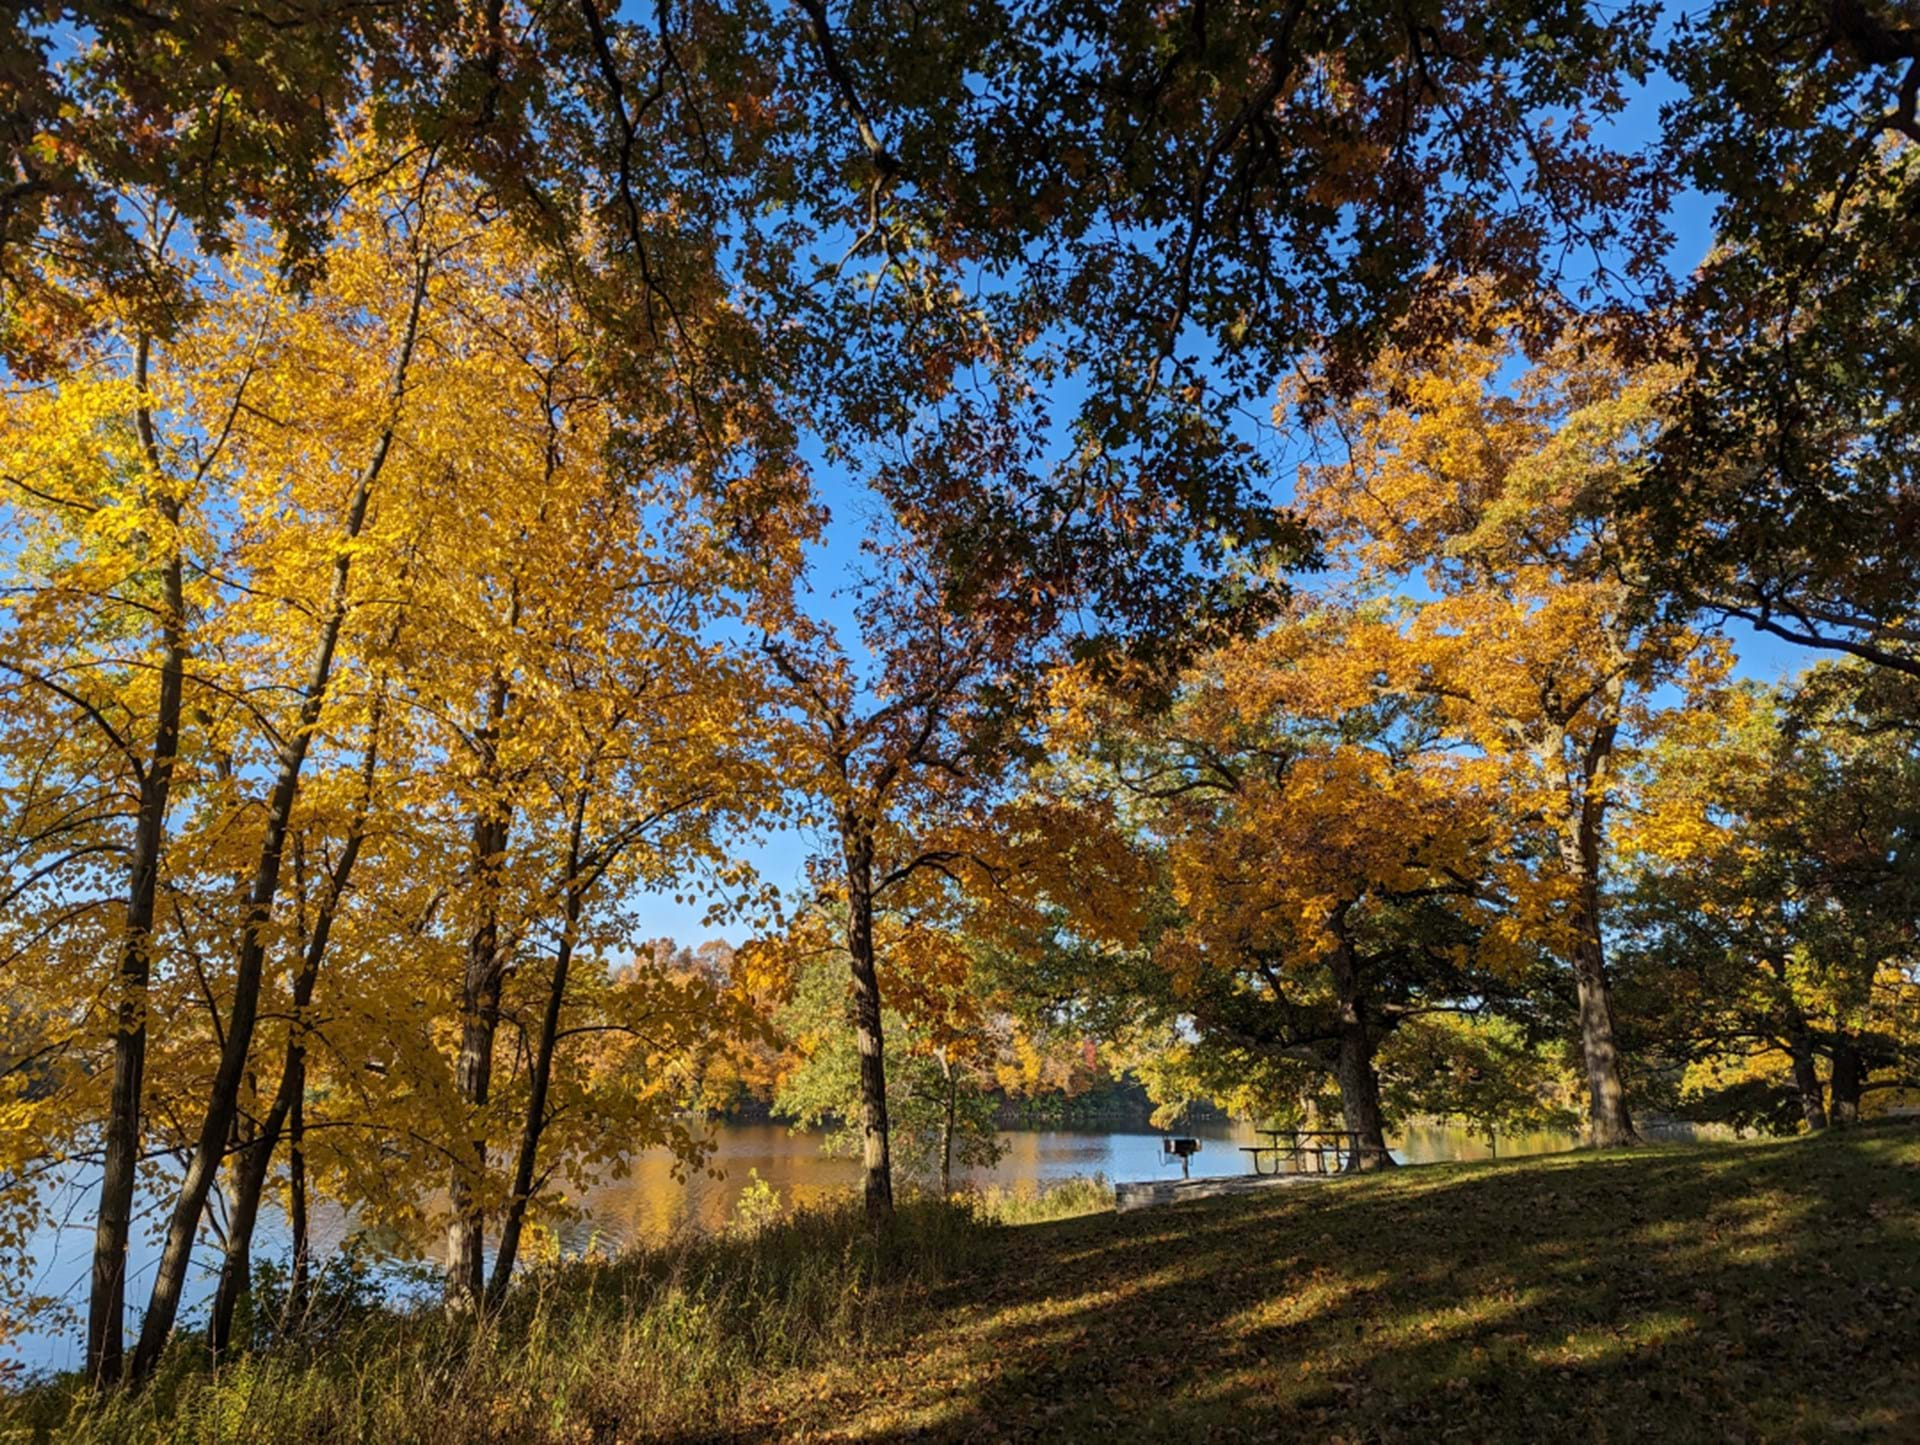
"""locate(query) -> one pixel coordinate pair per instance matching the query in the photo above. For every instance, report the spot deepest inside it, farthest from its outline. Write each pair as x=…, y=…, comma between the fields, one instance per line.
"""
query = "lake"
x=651, y=1204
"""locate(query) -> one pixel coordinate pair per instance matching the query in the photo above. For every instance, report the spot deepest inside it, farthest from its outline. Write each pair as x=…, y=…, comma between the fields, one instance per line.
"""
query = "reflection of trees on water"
x=653, y=1205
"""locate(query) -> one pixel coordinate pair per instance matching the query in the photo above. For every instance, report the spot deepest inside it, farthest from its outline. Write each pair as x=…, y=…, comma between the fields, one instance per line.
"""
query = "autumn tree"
x=323, y=550
x=1171, y=206
x=1488, y=505
x=231, y=120
x=890, y=755
x=412, y=240
x=1768, y=924
x=99, y=447
x=204, y=470
x=1331, y=868
x=568, y=664
x=583, y=732
x=1174, y=205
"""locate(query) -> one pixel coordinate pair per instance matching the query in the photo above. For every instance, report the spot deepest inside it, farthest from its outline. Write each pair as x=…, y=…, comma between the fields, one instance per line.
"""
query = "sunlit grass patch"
x=1028, y=1202
x=1306, y=1297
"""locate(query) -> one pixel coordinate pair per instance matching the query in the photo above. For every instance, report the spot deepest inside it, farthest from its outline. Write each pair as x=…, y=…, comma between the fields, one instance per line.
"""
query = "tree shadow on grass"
x=1759, y=1291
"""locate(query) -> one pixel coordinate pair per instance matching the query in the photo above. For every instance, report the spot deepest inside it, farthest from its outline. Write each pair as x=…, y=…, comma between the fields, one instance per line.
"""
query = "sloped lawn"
x=1757, y=1291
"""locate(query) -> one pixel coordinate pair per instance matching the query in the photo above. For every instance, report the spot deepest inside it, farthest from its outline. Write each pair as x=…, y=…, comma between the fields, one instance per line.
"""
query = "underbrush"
x=1030, y=1203
x=656, y=1342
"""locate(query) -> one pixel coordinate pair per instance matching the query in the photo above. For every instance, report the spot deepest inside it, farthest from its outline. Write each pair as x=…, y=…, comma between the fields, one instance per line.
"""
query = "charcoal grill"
x=1183, y=1150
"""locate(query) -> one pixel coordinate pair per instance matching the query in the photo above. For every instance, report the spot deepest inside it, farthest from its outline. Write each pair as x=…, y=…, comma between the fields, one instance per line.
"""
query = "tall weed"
x=655, y=1342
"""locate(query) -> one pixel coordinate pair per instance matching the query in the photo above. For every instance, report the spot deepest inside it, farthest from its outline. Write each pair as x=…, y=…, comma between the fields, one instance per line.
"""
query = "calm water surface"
x=656, y=1202
x=650, y=1204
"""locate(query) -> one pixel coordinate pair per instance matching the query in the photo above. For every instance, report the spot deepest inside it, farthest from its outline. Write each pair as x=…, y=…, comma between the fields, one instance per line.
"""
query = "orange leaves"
x=1490, y=496
x=1400, y=790
x=1313, y=819
x=1460, y=472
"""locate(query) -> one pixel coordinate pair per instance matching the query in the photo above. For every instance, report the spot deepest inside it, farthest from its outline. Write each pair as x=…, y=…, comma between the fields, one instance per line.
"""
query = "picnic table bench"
x=1306, y=1151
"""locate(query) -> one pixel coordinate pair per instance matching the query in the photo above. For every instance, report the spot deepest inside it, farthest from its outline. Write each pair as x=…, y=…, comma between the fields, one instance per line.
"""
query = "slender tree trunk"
x=254, y=1167
x=526, y=1162
x=255, y=1163
x=113, y=1222
x=877, y=1158
x=541, y=1075
x=473, y=1077
x=466, y=1283
x=251, y=1159
x=217, y=1123
x=946, y=1133
x=1849, y=1080
x=299, y=1218
x=251, y=1167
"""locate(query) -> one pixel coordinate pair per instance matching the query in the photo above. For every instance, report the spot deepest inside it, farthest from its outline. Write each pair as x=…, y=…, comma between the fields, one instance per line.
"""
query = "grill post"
x=1183, y=1149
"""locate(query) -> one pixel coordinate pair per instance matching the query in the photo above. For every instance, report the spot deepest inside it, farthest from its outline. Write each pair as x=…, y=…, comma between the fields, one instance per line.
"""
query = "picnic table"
x=1306, y=1151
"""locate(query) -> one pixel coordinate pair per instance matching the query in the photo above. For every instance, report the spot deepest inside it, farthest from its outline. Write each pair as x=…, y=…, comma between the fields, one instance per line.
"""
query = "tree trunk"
x=251, y=1167
x=297, y=1207
x=254, y=1165
x=541, y=1074
x=473, y=1078
x=1806, y=1078
x=479, y=1014
x=1353, y=1064
x=113, y=1222
x=1798, y=1042
x=878, y=1161
x=1360, y=1098
x=1849, y=1080
x=249, y=1160
x=946, y=1132
x=1609, y=1124
x=256, y=1161
x=217, y=1123
x=473, y=1069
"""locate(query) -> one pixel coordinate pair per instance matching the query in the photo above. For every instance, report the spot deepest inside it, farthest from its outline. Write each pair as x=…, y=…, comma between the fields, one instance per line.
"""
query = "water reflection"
x=654, y=1203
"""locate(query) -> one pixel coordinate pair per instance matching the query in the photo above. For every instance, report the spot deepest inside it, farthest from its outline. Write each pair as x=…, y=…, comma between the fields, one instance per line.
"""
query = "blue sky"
x=780, y=858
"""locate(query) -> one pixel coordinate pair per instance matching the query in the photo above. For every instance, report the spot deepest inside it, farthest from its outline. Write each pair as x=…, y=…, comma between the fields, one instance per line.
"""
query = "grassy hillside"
x=1732, y=1292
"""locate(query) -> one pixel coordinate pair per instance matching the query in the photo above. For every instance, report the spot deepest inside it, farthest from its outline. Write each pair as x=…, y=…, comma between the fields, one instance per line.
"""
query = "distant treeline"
x=1120, y=1101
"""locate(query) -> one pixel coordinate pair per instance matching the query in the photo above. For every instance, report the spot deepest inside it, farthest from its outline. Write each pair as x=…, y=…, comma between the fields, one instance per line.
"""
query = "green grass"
x=1760, y=1291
